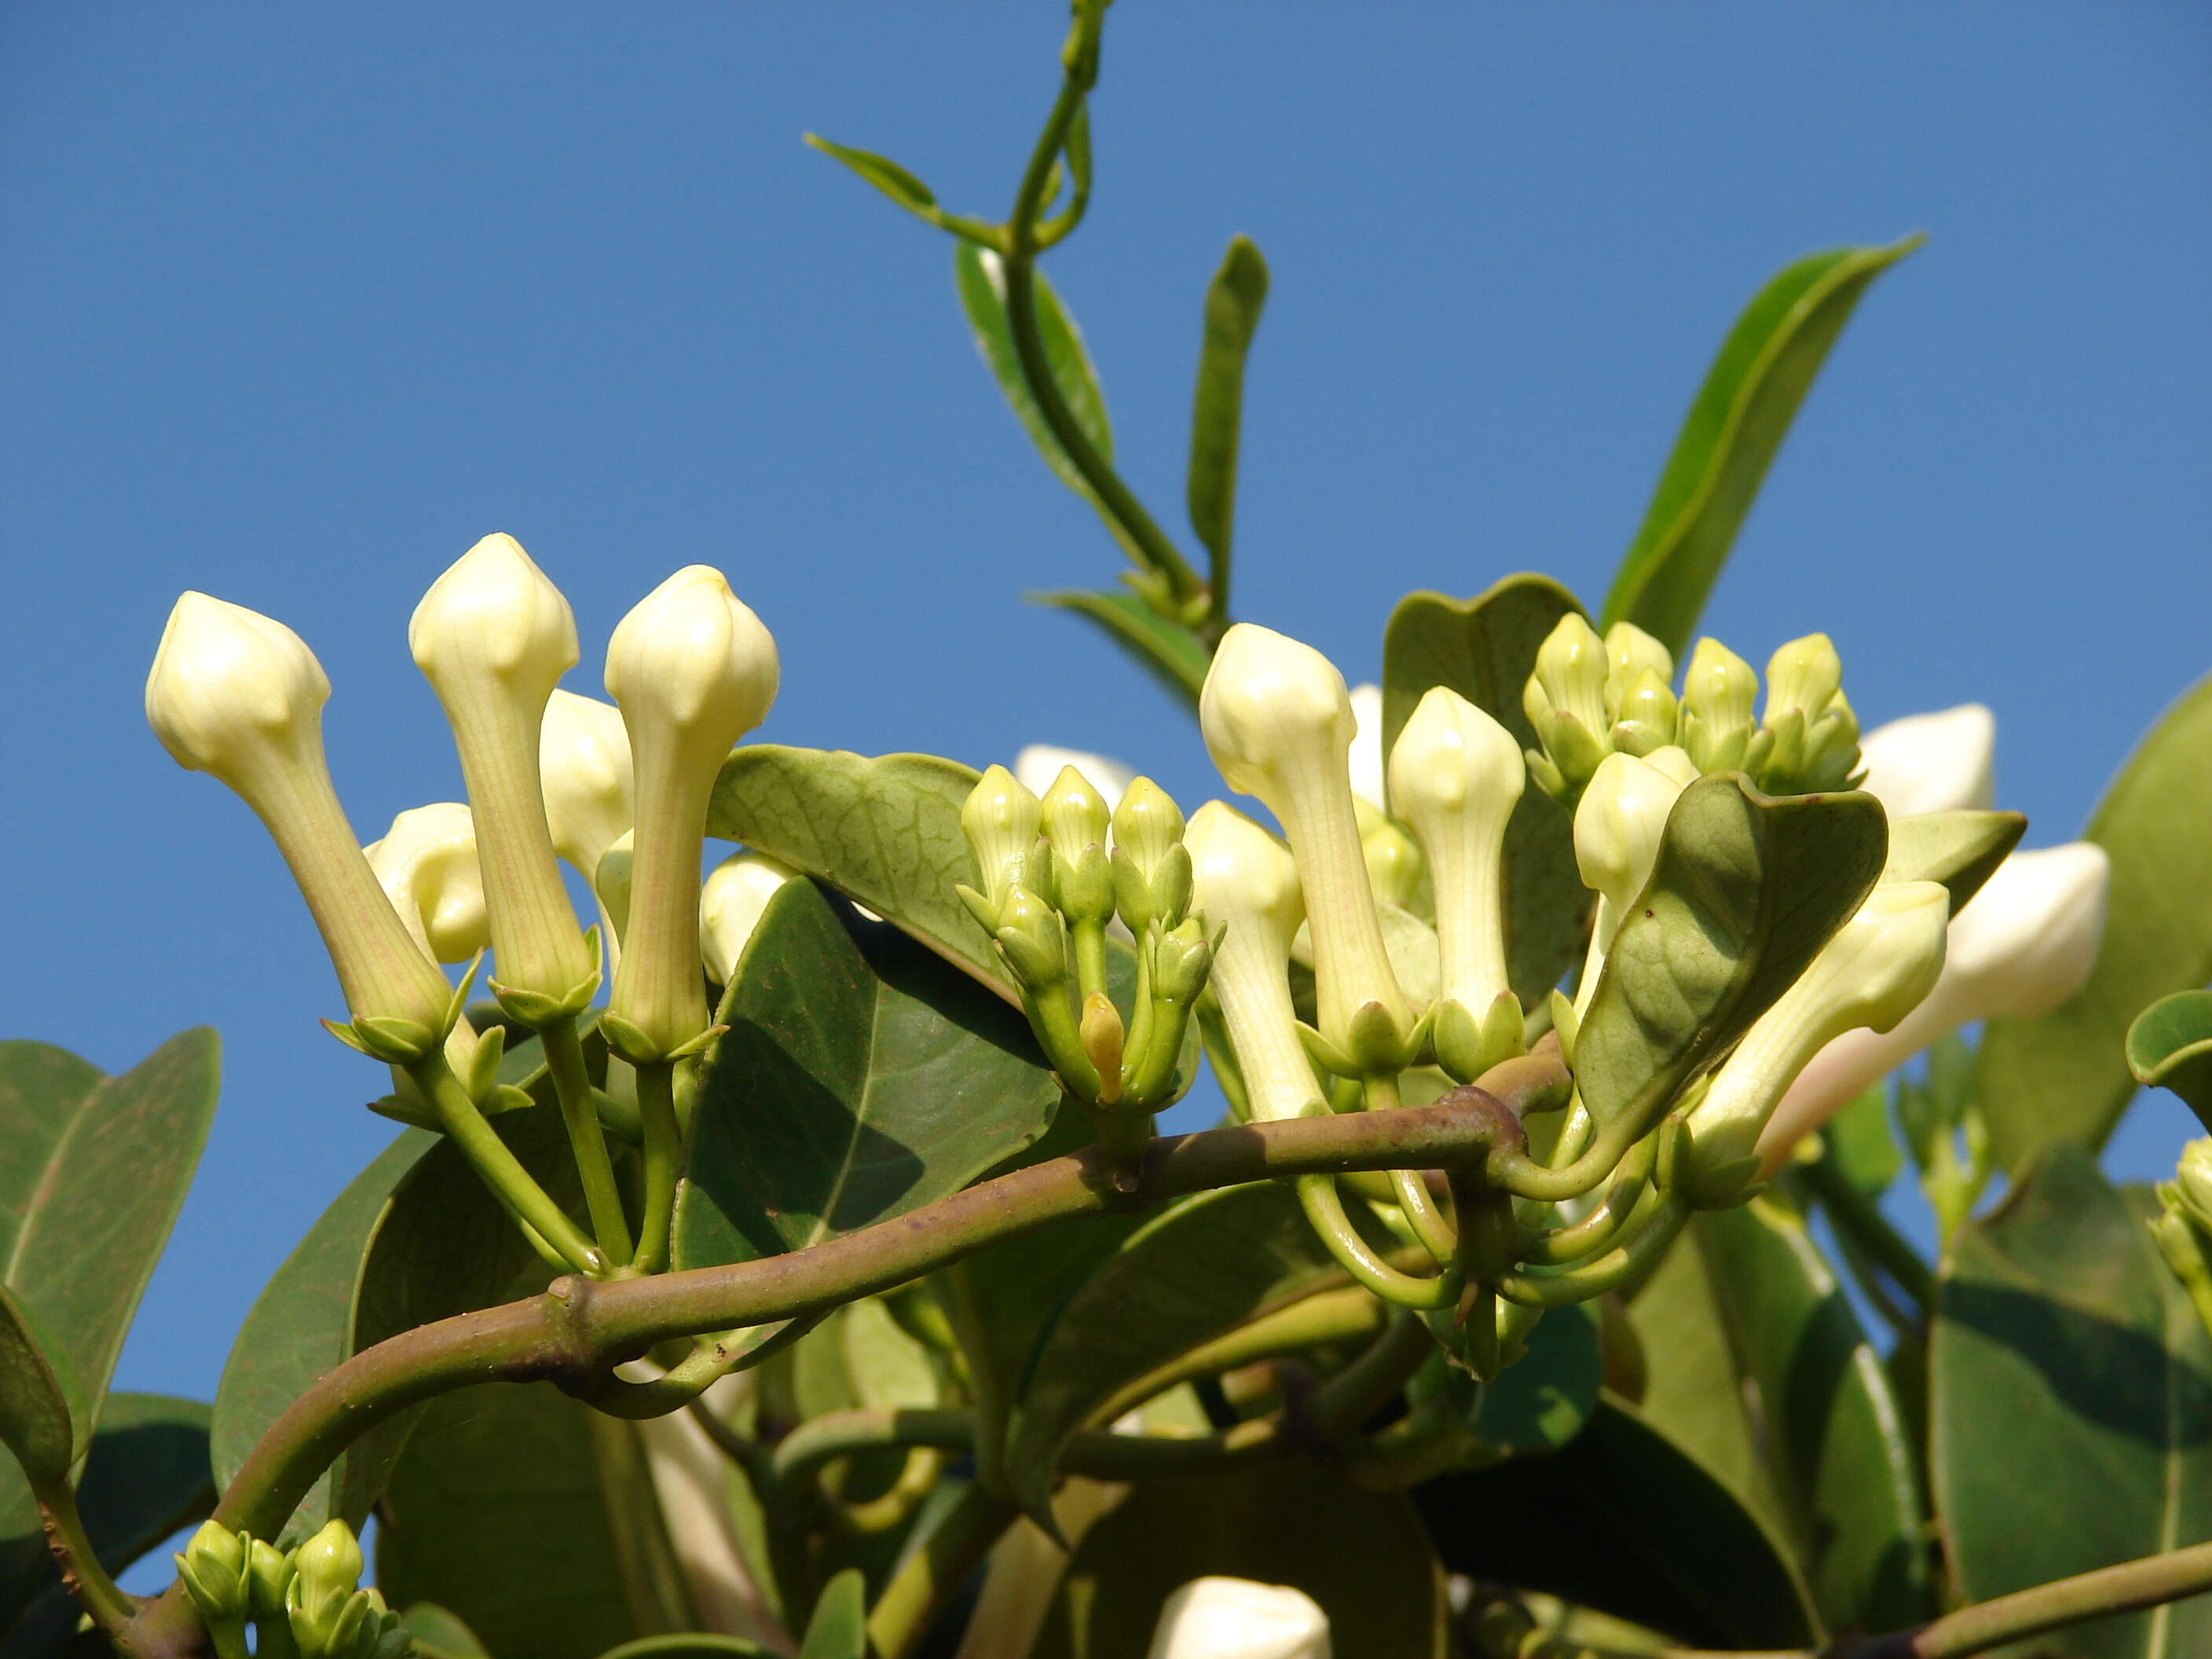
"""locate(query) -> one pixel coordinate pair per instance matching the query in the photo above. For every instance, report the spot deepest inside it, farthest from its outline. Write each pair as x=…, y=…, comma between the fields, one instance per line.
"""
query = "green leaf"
x=1859, y=1141
x=92, y=1171
x=35, y=1426
x=860, y=1078
x=1960, y=849
x=1233, y=301
x=979, y=276
x=301, y=1325
x=1741, y=413
x=839, y=1628
x=1485, y=649
x=1542, y=1401
x=1625, y=1520
x=1746, y=889
x=504, y=1508
x=688, y=1644
x=2071, y=1401
x=886, y=175
x=439, y=1635
x=1360, y=1554
x=885, y=832
x=2170, y=1047
x=2065, y=1076
x=1198, y=1269
x=1171, y=653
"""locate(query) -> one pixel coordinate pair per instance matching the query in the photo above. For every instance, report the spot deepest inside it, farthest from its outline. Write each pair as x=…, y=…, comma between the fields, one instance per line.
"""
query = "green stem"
x=663, y=1162
x=920, y=1588
x=516, y=1186
x=1857, y=1216
x=1410, y=1186
x=1602, y=1225
x=1327, y=1317
x=82, y=1573
x=987, y=1386
x=1325, y=1214
x=1595, y=1279
x=572, y=1086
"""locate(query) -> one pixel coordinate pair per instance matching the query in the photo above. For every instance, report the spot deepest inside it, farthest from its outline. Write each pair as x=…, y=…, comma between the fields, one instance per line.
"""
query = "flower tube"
x=427, y=863
x=1619, y=826
x=1246, y=882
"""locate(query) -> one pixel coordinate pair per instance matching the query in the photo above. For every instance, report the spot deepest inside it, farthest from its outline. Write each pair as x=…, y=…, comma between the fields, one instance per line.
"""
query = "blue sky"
x=297, y=302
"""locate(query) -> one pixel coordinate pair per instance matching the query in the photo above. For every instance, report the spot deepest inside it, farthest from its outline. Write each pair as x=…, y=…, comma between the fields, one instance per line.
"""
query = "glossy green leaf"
x=1233, y=303
x=1740, y=415
x=860, y=1077
x=2170, y=1047
x=884, y=831
x=438, y=1633
x=2071, y=1403
x=979, y=276
x=1542, y=1399
x=839, y=1628
x=34, y=1427
x=503, y=1508
x=1625, y=1520
x=885, y=175
x=1746, y=889
x=1485, y=649
x=1194, y=1271
x=301, y=1325
x=2065, y=1076
x=1961, y=850
x=1171, y=653
x=1361, y=1555
x=92, y=1171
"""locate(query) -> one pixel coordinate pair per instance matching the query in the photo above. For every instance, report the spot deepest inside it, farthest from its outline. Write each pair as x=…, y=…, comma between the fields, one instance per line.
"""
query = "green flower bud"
x=1393, y=856
x=1002, y=820
x=1100, y=1034
x=692, y=669
x=1152, y=867
x=1566, y=701
x=2192, y=1180
x=1074, y=815
x=1802, y=678
x=270, y=1572
x=1645, y=717
x=1715, y=718
x=1247, y=882
x=329, y=1561
x=1813, y=734
x=1630, y=654
x=1033, y=940
x=213, y=1568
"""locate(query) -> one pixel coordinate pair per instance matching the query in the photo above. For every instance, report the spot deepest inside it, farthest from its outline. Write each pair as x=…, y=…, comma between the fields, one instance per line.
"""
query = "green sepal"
x=213, y=1568
x=483, y=1065
x=986, y=912
x=537, y=1010
x=1961, y=850
x=395, y=1041
x=457, y=1004
x=1566, y=1026
x=1325, y=1053
x=631, y=1044
x=1468, y=1046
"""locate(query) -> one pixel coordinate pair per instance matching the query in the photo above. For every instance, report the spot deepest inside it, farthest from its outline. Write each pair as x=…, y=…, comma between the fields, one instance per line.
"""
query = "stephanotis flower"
x=1238, y=1619
x=2023, y=946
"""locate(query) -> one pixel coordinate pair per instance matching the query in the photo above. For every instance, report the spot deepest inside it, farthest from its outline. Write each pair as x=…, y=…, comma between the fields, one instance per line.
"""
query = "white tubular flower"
x=1877, y=969
x=427, y=862
x=1238, y=1619
x=1279, y=724
x=1039, y=766
x=1935, y=763
x=239, y=697
x=493, y=636
x=1245, y=882
x=2024, y=945
x=583, y=764
x=1619, y=826
x=692, y=669
x=730, y=905
x=1366, y=761
x=1456, y=775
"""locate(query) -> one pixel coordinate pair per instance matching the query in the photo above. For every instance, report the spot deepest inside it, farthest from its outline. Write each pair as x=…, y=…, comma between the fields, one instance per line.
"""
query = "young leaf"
x=1485, y=649
x=1233, y=301
x=2065, y=1076
x=1741, y=413
x=2071, y=1400
x=886, y=175
x=839, y=1629
x=1171, y=653
x=2170, y=1047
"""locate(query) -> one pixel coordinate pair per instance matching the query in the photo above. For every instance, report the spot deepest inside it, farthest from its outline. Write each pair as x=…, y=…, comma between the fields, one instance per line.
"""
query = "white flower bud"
x=1457, y=774
x=239, y=697
x=692, y=670
x=736, y=892
x=1718, y=691
x=2024, y=945
x=1040, y=765
x=1629, y=653
x=583, y=764
x=1620, y=823
x=1278, y=722
x=493, y=636
x=1238, y=1619
x=1877, y=969
x=1931, y=763
x=1246, y=882
x=427, y=862
x=1366, y=760
x=1571, y=666
x=1802, y=677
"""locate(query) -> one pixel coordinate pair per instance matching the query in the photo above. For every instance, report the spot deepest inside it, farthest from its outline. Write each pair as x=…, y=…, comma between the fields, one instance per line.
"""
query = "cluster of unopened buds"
x=303, y=1603
x=620, y=793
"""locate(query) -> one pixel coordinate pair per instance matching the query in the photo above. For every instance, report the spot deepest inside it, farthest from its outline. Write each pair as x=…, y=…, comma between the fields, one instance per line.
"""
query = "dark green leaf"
x=2071, y=1402
x=1233, y=301
x=301, y=1326
x=35, y=1426
x=860, y=1077
x=688, y=1644
x=1960, y=849
x=439, y=1635
x=1746, y=889
x=1485, y=649
x=2065, y=1076
x=1741, y=413
x=1542, y=1401
x=886, y=175
x=1164, y=648
x=1360, y=1554
x=91, y=1180
x=1858, y=1138
x=839, y=1629
x=2170, y=1047
x=1625, y=1520
x=884, y=831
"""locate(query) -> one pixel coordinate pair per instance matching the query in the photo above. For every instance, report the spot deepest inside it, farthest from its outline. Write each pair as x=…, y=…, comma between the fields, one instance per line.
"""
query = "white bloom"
x=427, y=862
x=737, y=891
x=2025, y=945
x=1931, y=763
x=1456, y=775
x=1618, y=826
x=1366, y=764
x=583, y=762
x=1245, y=882
x=1238, y=1619
x=1039, y=766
